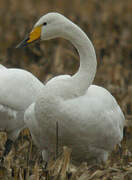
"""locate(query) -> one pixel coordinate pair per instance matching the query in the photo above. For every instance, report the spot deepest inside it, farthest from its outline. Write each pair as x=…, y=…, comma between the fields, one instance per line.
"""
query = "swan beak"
x=33, y=36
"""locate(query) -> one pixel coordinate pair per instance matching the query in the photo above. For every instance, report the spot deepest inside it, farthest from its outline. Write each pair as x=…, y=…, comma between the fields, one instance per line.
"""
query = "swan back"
x=19, y=88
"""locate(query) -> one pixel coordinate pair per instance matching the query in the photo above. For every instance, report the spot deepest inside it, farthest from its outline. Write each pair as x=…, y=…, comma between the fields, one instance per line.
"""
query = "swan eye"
x=45, y=23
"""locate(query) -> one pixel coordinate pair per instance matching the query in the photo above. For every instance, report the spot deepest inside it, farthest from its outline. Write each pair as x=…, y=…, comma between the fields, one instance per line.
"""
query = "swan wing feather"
x=18, y=88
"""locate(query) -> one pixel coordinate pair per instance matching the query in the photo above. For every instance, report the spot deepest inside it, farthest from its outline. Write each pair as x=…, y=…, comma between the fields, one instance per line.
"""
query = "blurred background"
x=107, y=23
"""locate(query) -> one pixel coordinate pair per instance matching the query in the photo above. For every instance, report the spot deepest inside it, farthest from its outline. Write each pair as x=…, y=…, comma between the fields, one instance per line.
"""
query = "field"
x=108, y=24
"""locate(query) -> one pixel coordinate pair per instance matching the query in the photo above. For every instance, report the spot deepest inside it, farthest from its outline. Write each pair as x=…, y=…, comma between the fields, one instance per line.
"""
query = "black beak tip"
x=19, y=46
x=23, y=43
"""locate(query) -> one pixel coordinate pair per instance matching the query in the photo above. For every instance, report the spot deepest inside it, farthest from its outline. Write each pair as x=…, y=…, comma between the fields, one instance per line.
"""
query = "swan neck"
x=87, y=70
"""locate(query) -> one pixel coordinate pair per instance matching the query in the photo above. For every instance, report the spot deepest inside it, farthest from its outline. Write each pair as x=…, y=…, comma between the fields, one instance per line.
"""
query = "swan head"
x=49, y=26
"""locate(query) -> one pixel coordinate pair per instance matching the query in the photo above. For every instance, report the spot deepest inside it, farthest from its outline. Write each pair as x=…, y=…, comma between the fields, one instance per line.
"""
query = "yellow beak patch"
x=35, y=34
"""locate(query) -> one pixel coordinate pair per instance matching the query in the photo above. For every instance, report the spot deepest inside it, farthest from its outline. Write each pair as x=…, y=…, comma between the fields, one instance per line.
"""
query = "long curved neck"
x=86, y=73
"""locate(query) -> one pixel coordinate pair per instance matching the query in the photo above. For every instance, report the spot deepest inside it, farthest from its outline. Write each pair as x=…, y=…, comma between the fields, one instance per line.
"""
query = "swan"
x=89, y=119
x=18, y=89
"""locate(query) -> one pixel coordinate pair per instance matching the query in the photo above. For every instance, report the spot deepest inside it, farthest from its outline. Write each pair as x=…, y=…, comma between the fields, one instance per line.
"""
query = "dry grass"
x=108, y=25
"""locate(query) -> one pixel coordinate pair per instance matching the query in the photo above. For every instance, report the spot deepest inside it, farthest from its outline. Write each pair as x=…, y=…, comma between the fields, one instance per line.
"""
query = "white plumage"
x=18, y=89
x=90, y=120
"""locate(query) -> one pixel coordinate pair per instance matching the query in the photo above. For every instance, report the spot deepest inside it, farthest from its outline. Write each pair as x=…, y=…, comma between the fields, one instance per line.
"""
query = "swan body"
x=89, y=118
x=18, y=89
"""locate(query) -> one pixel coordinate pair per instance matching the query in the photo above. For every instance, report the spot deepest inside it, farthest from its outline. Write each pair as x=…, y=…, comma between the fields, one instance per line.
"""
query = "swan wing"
x=58, y=78
x=106, y=97
x=95, y=118
x=18, y=88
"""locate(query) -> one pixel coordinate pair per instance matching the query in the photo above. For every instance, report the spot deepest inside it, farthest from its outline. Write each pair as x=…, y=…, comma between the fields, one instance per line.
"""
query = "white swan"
x=90, y=120
x=18, y=89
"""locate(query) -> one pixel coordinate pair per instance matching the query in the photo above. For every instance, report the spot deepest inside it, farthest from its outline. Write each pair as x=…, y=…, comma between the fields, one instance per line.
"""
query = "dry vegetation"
x=108, y=25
